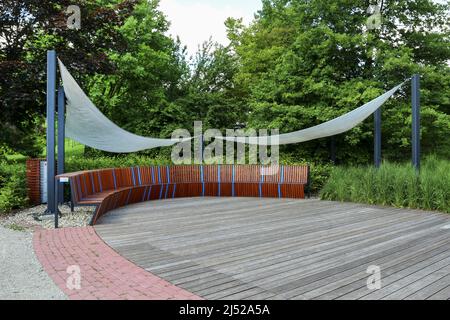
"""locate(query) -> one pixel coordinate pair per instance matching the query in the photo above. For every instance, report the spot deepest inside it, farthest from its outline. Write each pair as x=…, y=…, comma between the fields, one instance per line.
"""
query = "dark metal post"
x=377, y=138
x=309, y=182
x=56, y=184
x=51, y=99
x=201, y=148
x=198, y=142
x=415, y=100
x=333, y=149
x=61, y=136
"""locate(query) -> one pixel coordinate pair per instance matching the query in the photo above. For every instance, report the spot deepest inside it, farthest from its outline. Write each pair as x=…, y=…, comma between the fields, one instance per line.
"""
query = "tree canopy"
x=304, y=62
x=28, y=28
x=299, y=63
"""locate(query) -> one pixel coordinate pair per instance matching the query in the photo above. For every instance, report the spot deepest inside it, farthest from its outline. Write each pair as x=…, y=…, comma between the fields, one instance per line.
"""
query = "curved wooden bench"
x=107, y=189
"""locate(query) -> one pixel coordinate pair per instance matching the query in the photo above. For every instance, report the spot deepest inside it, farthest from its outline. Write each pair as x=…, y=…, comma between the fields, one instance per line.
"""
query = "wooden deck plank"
x=408, y=279
x=251, y=248
x=332, y=263
x=360, y=262
x=356, y=277
x=427, y=276
x=321, y=247
x=264, y=296
x=358, y=289
x=437, y=286
x=443, y=294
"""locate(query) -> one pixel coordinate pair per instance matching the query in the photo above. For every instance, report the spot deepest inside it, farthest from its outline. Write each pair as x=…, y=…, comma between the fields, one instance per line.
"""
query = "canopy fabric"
x=87, y=125
x=330, y=128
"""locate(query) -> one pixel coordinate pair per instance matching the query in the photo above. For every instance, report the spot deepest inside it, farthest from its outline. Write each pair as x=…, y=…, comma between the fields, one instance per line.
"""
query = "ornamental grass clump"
x=398, y=185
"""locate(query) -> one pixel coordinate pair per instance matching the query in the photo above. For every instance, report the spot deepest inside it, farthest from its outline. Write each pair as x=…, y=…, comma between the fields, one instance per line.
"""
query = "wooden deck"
x=251, y=248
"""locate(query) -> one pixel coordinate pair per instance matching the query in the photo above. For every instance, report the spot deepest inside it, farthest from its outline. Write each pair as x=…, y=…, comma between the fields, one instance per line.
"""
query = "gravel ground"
x=25, y=219
x=21, y=275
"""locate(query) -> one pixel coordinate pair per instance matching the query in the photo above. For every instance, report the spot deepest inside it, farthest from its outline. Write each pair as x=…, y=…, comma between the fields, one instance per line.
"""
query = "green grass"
x=393, y=184
x=73, y=149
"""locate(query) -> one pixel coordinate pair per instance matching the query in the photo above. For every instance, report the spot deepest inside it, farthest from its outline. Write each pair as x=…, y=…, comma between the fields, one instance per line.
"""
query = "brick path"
x=104, y=274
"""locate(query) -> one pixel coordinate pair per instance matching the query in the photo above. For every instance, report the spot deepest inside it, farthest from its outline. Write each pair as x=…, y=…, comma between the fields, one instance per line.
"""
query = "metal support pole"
x=415, y=100
x=333, y=149
x=198, y=142
x=309, y=182
x=201, y=148
x=61, y=136
x=56, y=202
x=377, y=138
x=51, y=99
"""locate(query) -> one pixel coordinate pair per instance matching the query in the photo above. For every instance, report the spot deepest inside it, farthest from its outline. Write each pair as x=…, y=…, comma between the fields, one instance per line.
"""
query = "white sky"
x=194, y=21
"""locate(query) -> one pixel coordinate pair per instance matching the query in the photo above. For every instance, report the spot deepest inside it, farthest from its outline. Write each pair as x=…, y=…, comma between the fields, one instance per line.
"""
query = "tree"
x=28, y=28
x=150, y=70
x=210, y=92
x=306, y=62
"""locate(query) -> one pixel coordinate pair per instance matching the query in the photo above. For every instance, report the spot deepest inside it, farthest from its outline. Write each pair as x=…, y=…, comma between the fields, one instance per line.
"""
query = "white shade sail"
x=330, y=128
x=87, y=125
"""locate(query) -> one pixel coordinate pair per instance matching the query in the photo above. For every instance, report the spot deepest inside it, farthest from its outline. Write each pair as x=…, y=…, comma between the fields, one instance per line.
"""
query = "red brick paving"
x=104, y=273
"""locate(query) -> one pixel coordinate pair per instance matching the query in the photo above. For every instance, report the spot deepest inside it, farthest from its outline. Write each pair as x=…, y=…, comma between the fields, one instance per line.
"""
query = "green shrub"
x=393, y=184
x=319, y=172
x=13, y=190
x=13, y=193
x=78, y=164
x=319, y=175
